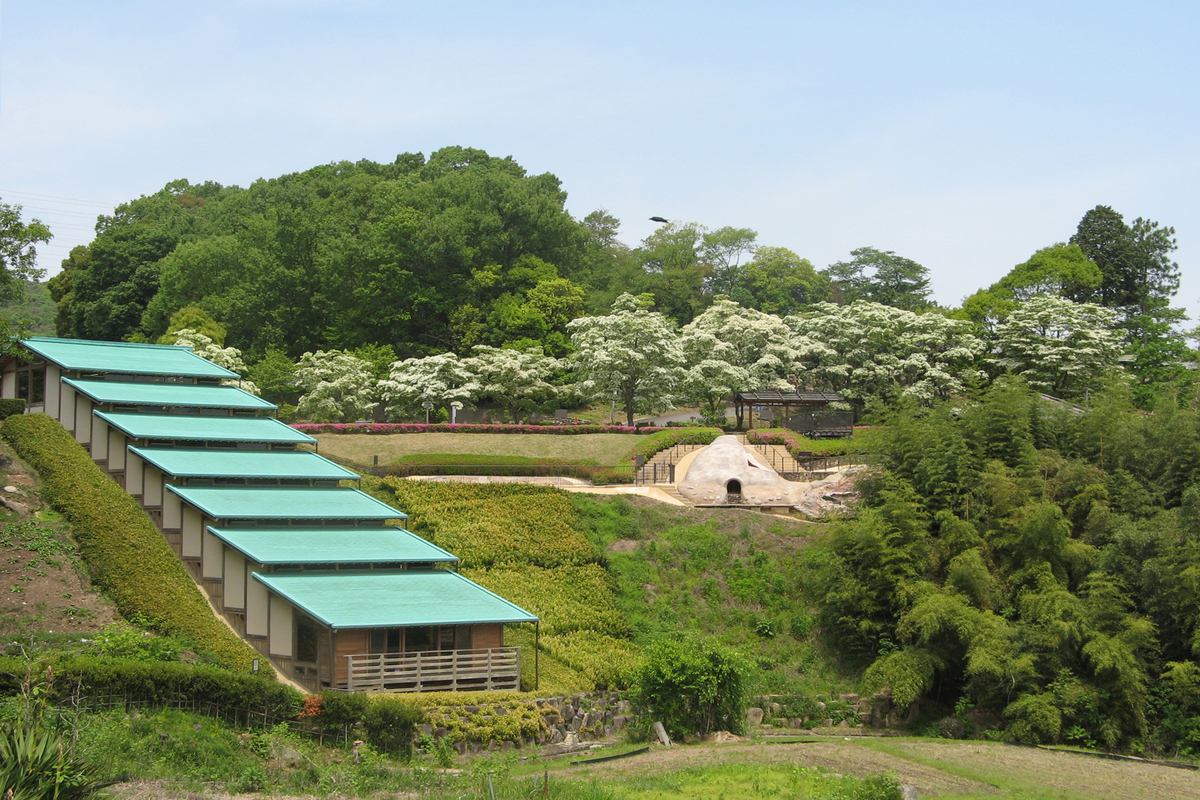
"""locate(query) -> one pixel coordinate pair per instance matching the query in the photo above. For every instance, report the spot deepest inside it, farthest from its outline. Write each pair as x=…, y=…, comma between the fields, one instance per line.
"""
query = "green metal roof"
x=387, y=599
x=330, y=545
x=125, y=357
x=211, y=463
x=204, y=395
x=195, y=428
x=285, y=503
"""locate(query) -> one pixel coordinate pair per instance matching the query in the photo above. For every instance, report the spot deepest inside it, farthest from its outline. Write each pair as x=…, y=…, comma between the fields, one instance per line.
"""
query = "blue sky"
x=962, y=135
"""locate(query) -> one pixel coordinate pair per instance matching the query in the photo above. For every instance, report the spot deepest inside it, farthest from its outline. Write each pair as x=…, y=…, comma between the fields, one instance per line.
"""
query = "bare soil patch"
x=43, y=584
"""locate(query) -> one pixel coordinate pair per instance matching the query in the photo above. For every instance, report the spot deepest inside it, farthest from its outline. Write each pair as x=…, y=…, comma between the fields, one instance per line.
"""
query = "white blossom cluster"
x=864, y=348
x=228, y=357
x=1058, y=344
x=337, y=386
x=637, y=359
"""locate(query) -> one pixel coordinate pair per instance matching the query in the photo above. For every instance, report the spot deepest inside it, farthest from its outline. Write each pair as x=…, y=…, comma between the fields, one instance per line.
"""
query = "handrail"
x=490, y=668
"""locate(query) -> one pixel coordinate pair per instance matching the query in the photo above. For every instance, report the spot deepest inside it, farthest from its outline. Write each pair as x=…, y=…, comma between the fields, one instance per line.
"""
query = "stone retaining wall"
x=563, y=720
x=873, y=712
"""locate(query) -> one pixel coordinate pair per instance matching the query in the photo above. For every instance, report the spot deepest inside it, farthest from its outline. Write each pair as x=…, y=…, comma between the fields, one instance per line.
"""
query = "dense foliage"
x=1033, y=559
x=692, y=687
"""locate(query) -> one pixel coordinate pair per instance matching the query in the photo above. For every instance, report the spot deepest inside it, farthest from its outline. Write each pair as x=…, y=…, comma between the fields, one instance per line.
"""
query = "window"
x=420, y=639
x=308, y=634
x=385, y=640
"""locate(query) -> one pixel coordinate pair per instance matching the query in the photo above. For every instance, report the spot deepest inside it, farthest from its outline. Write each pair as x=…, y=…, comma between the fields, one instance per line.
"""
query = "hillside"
x=44, y=587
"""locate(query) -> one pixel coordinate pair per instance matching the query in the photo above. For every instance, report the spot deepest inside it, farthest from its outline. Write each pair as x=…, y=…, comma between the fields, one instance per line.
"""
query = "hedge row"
x=384, y=428
x=10, y=407
x=154, y=682
x=126, y=556
x=666, y=438
x=865, y=440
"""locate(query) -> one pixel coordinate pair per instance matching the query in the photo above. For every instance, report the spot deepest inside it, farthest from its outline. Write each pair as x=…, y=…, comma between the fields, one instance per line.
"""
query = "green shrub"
x=692, y=686
x=11, y=407
x=390, y=723
x=126, y=556
x=158, y=682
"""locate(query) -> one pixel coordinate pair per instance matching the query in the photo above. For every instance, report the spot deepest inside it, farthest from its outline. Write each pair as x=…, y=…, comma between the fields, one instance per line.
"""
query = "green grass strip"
x=127, y=557
x=478, y=459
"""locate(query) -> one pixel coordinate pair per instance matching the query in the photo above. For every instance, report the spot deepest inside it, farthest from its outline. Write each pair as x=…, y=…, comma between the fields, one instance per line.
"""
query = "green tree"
x=723, y=250
x=611, y=267
x=880, y=276
x=196, y=319
x=18, y=251
x=676, y=273
x=692, y=687
x=779, y=282
x=275, y=376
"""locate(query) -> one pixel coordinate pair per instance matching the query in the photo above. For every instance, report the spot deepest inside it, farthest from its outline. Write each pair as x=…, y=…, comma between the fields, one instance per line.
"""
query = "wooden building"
x=316, y=575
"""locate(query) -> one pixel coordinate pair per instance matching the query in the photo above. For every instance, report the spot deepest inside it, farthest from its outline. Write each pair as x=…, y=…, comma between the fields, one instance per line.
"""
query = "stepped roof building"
x=318, y=576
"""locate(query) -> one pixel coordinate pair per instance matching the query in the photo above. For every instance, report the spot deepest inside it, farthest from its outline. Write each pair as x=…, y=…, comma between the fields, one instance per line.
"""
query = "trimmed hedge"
x=155, y=682
x=125, y=554
x=10, y=408
x=385, y=428
x=666, y=438
x=865, y=440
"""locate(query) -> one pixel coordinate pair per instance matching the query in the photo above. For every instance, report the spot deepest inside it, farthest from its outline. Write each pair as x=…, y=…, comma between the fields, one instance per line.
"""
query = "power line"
x=71, y=200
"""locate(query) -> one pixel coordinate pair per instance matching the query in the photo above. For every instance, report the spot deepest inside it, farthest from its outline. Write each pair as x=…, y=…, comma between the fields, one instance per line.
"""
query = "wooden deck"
x=435, y=671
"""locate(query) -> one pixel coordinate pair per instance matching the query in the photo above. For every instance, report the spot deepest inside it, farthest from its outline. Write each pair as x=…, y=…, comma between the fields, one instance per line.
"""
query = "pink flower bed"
x=442, y=427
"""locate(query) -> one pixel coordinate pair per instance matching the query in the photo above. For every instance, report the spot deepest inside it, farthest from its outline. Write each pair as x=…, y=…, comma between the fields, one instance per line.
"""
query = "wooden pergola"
x=836, y=424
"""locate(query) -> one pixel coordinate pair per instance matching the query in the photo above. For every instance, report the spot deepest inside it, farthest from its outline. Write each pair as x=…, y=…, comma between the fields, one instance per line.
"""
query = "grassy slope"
x=598, y=448
x=728, y=574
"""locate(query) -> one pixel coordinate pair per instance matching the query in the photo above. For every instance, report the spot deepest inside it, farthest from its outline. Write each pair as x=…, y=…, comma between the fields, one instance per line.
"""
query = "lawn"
x=600, y=448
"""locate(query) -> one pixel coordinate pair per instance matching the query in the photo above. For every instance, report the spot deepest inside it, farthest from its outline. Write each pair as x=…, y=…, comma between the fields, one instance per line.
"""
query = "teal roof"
x=213, y=463
x=191, y=395
x=195, y=428
x=330, y=545
x=285, y=503
x=125, y=358
x=386, y=599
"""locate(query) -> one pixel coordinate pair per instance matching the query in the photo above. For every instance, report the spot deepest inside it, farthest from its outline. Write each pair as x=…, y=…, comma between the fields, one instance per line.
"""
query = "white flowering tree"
x=730, y=348
x=866, y=349
x=337, y=387
x=441, y=381
x=1059, y=346
x=632, y=355
x=517, y=381
x=228, y=357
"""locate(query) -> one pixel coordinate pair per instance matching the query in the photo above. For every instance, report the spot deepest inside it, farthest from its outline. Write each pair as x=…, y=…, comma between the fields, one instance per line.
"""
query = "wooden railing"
x=434, y=670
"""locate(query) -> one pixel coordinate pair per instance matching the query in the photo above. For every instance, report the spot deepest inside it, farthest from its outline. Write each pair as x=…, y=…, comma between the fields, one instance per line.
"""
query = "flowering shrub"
x=385, y=428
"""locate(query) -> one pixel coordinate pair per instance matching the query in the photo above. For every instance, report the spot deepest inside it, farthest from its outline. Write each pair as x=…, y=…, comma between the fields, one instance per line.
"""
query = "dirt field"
x=936, y=768
x=42, y=583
